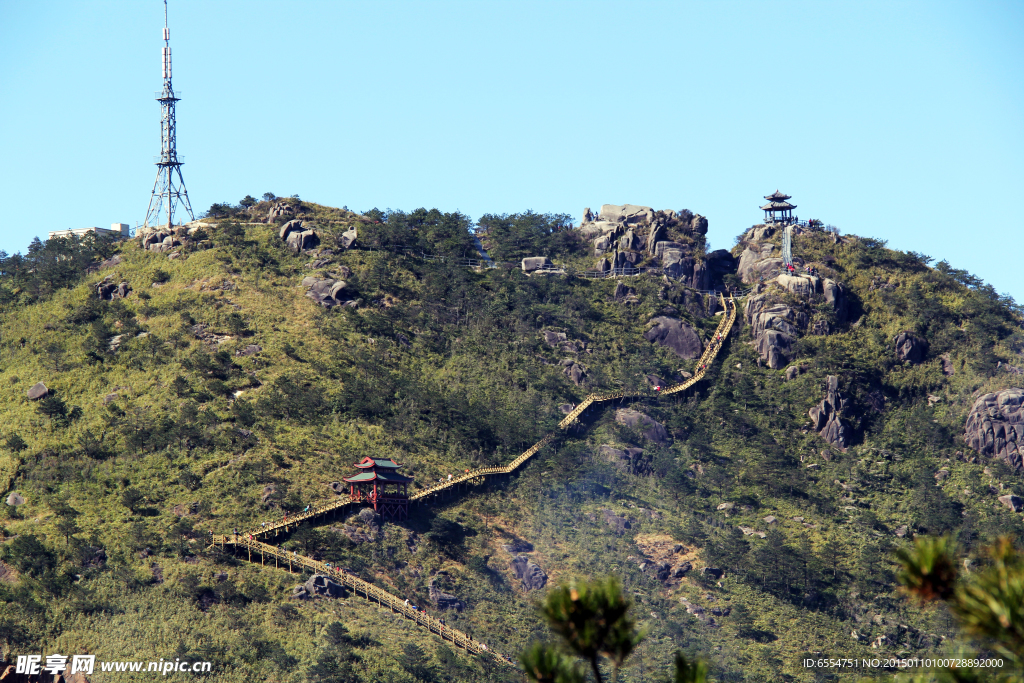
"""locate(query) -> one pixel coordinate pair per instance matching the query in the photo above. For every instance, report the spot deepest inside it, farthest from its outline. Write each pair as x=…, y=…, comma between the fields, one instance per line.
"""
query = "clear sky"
x=897, y=120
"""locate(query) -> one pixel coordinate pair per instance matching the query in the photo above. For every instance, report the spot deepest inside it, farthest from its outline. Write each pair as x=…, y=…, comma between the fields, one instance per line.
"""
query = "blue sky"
x=897, y=120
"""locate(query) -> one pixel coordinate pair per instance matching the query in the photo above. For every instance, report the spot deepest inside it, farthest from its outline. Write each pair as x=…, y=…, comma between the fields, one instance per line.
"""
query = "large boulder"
x=629, y=214
x=629, y=460
x=602, y=244
x=755, y=261
x=675, y=335
x=835, y=294
x=290, y=227
x=533, y=263
x=719, y=263
x=995, y=426
x=576, y=373
x=347, y=240
x=776, y=348
x=802, y=285
x=323, y=585
x=648, y=426
x=910, y=347
x=37, y=391
x=631, y=241
x=1015, y=503
x=444, y=600
x=300, y=241
x=532, y=576
x=699, y=225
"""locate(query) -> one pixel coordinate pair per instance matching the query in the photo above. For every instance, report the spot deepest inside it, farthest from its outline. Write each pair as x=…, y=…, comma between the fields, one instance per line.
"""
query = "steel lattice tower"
x=169, y=188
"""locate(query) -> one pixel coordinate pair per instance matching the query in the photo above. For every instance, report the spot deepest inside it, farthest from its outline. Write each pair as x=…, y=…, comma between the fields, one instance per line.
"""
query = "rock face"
x=801, y=285
x=300, y=241
x=532, y=576
x=37, y=391
x=15, y=499
x=756, y=261
x=910, y=347
x=995, y=426
x=675, y=335
x=618, y=524
x=348, y=239
x=535, y=263
x=444, y=600
x=576, y=373
x=1015, y=503
x=629, y=214
x=290, y=227
x=649, y=427
x=826, y=415
x=326, y=291
x=775, y=329
x=320, y=584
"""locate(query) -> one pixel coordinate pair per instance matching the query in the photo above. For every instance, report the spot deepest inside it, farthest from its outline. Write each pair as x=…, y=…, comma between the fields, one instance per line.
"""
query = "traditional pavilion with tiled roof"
x=380, y=485
x=778, y=210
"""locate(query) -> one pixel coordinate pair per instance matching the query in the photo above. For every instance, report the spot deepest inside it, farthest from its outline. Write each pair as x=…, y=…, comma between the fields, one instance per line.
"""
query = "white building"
x=117, y=231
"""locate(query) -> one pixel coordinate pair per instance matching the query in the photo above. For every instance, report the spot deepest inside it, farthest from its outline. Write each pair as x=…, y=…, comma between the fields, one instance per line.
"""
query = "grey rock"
x=337, y=487
x=323, y=585
x=517, y=546
x=901, y=531
x=910, y=347
x=576, y=373
x=626, y=459
x=675, y=335
x=825, y=416
x=105, y=290
x=713, y=572
x=588, y=216
x=630, y=241
x=37, y=391
x=348, y=239
x=947, y=365
x=725, y=507
x=566, y=408
x=623, y=292
x=995, y=425
x=15, y=499
x=801, y=285
x=628, y=214
x=603, y=266
x=682, y=569
x=294, y=225
x=775, y=347
x=268, y=492
x=300, y=241
x=699, y=225
x=649, y=427
x=1015, y=503
x=792, y=372
x=619, y=524
x=602, y=244
x=835, y=294
x=299, y=593
x=531, y=574
x=535, y=263
x=444, y=600
x=250, y=350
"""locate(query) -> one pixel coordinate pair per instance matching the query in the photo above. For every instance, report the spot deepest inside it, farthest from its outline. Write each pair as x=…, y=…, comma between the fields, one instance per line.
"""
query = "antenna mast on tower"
x=169, y=188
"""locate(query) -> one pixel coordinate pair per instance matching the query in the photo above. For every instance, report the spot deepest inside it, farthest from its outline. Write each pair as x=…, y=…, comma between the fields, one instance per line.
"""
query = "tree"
x=132, y=498
x=15, y=443
x=988, y=604
x=269, y=196
x=593, y=621
x=247, y=201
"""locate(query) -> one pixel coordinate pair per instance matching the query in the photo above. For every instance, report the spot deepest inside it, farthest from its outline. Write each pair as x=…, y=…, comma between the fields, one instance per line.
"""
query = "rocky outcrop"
x=108, y=291
x=910, y=347
x=775, y=328
x=326, y=291
x=37, y=391
x=1015, y=503
x=648, y=426
x=826, y=415
x=532, y=576
x=290, y=227
x=535, y=263
x=282, y=210
x=618, y=523
x=675, y=335
x=347, y=239
x=835, y=294
x=718, y=264
x=444, y=600
x=802, y=285
x=323, y=586
x=575, y=372
x=15, y=499
x=628, y=214
x=622, y=292
x=301, y=241
x=995, y=426
x=757, y=261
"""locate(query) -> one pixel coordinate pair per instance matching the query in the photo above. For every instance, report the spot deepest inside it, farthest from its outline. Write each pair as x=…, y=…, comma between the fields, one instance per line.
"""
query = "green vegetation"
x=146, y=446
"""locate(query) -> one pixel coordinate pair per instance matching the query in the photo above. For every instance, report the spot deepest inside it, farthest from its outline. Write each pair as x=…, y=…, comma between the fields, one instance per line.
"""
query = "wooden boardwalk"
x=250, y=541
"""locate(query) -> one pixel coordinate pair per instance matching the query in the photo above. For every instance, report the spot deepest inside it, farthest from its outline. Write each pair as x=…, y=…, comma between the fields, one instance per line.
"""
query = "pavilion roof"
x=777, y=206
x=369, y=462
x=778, y=196
x=382, y=477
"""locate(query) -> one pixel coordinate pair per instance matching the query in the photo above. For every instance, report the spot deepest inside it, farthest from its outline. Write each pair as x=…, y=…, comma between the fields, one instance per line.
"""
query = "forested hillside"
x=224, y=374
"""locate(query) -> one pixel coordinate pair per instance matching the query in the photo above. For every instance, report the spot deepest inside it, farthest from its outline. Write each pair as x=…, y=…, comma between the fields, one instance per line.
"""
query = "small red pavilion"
x=379, y=484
